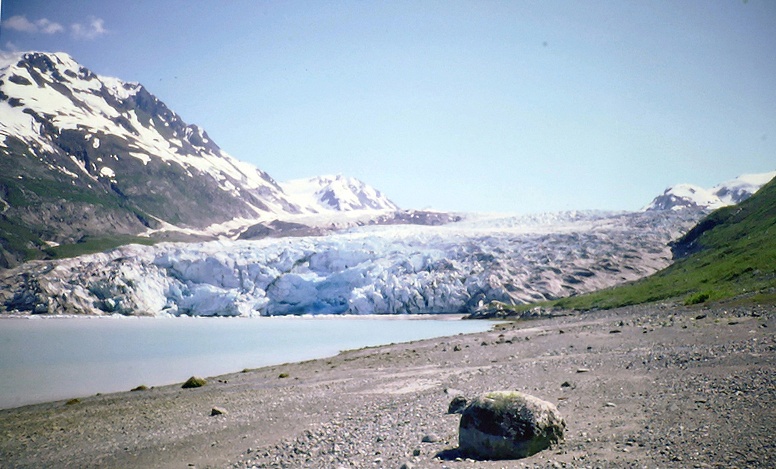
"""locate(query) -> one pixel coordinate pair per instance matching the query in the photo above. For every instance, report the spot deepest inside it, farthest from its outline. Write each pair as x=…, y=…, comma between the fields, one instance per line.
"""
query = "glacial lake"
x=47, y=359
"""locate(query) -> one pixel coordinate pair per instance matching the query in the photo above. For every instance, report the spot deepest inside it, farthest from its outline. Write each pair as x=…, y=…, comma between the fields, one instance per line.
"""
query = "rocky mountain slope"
x=82, y=155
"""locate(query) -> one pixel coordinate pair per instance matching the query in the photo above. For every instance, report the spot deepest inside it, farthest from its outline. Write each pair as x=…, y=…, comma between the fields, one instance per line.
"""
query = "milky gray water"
x=60, y=358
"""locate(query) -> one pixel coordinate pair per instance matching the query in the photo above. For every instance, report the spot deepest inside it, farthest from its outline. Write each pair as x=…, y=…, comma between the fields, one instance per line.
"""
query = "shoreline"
x=665, y=386
x=90, y=355
x=118, y=317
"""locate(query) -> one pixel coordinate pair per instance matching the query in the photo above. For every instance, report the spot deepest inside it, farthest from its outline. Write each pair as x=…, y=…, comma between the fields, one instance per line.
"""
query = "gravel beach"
x=647, y=386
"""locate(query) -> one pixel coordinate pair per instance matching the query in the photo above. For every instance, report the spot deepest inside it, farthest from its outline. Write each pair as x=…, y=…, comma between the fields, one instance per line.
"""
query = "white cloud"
x=91, y=29
x=22, y=24
x=94, y=29
x=49, y=27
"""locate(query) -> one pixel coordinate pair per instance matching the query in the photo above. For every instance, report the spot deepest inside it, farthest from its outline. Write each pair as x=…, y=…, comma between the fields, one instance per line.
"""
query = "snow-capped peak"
x=116, y=139
x=730, y=192
x=738, y=189
x=335, y=193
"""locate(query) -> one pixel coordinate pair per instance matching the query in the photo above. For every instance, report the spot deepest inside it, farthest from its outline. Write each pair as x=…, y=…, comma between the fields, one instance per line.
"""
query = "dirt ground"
x=649, y=386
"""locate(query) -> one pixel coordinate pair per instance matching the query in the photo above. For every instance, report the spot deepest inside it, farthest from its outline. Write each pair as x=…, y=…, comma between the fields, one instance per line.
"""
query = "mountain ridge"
x=83, y=156
x=734, y=191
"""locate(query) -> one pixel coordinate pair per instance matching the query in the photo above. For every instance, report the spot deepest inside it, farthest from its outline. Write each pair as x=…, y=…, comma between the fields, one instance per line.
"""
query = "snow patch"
x=107, y=172
x=141, y=156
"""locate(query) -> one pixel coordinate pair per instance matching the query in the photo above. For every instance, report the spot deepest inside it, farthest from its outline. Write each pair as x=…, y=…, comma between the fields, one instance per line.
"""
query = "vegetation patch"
x=92, y=244
x=194, y=382
x=697, y=298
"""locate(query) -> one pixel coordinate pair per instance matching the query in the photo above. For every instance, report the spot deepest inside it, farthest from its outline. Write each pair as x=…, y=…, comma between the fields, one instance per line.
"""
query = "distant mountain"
x=745, y=228
x=91, y=162
x=335, y=193
x=731, y=192
x=729, y=253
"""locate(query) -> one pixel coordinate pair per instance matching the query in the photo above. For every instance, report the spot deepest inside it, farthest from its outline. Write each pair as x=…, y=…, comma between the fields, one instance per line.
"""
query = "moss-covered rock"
x=508, y=425
x=194, y=382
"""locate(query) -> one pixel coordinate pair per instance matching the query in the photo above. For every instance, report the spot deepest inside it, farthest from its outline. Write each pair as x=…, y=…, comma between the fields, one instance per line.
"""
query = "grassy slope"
x=733, y=252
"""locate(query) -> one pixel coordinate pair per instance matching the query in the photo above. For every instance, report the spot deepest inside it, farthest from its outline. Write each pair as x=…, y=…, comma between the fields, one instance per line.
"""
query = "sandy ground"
x=656, y=386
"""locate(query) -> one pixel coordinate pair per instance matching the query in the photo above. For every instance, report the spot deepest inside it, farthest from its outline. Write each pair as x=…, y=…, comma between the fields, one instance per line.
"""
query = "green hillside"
x=731, y=252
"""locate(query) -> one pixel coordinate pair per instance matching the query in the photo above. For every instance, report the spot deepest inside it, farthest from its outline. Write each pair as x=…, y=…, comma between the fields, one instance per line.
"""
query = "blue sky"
x=515, y=106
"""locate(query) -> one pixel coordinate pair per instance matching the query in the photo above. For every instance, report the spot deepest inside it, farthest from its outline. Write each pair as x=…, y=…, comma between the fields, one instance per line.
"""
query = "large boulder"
x=508, y=425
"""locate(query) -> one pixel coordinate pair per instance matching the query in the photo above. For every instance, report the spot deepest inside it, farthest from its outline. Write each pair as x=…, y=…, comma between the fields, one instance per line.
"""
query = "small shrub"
x=194, y=382
x=73, y=401
x=283, y=375
x=142, y=387
x=697, y=298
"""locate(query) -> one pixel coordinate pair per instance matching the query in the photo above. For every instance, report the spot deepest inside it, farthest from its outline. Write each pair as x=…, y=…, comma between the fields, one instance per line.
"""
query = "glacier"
x=394, y=269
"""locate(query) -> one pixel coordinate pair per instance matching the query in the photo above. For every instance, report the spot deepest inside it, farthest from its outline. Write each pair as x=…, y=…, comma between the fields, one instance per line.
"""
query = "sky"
x=486, y=106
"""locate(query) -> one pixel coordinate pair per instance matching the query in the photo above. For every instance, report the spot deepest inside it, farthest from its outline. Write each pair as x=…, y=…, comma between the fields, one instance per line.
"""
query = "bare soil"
x=648, y=386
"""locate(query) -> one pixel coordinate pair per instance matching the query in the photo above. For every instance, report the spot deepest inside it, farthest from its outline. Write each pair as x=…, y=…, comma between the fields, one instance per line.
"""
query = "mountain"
x=731, y=192
x=335, y=193
x=89, y=162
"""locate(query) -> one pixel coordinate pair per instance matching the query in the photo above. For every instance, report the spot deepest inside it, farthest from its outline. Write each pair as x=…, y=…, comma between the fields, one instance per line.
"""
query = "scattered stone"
x=457, y=348
x=700, y=316
x=407, y=465
x=615, y=331
x=431, y=438
x=566, y=384
x=194, y=382
x=508, y=425
x=218, y=411
x=457, y=405
x=416, y=452
x=610, y=404
x=583, y=370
